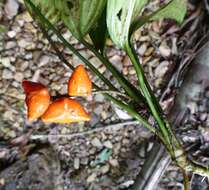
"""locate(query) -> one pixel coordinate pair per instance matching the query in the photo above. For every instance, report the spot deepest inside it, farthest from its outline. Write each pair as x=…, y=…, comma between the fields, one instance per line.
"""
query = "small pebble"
x=7, y=74
x=108, y=144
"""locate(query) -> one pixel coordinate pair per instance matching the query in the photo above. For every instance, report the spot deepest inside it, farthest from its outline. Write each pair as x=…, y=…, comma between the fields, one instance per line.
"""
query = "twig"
x=70, y=136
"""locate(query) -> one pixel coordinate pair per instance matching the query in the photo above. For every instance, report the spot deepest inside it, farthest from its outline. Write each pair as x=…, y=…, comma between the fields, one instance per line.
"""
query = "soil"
x=109, y=151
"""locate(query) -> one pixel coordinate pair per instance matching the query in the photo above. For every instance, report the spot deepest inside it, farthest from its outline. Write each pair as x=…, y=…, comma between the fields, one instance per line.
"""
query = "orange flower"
x=37, y=99
x=65, y=110
x=79, y=83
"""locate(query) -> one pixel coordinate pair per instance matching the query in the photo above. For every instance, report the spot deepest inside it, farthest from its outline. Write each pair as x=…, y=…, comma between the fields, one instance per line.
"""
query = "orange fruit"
x=37, y=99
x=79, y=83
x=65, y=110
x=29, y=86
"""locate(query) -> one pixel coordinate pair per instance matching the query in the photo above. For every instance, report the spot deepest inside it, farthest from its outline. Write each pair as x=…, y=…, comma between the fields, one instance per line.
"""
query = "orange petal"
x=79, y=83
x=29, y=86
x=37, y=103
x=65, y=110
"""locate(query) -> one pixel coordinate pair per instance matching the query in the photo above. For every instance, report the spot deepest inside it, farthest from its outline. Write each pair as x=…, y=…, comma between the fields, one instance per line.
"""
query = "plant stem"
x=133, y=113
x=148, y=94
x=172, y=144
x=130, y=89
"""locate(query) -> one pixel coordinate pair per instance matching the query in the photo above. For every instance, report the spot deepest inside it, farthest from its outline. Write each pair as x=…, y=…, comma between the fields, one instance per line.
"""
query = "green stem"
x=133, y=113
x=130, y=89
x=147, y=92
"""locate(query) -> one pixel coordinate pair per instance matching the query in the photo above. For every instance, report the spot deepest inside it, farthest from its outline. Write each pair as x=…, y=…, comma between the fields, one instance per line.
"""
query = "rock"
x=102, y=69
x=108, y=144
x=98, y=110
x=165, y=51
x=99, y=98
x=44, y=60
x=11, y=34
x=161, y=69
x=116, y=60
x=11, y=8
x=142, y=49
x=7, y=74
x=28, y=56
x=23, y=43
x=131, y=71
x=24, y=66
x=5, y=62
x=96, y=62
x=127, y=61
x=76, y=163
x=91, y=178
x=105, y=169
x=10, y=45
x=96, y=142
x=114, y=162
x=19, y=76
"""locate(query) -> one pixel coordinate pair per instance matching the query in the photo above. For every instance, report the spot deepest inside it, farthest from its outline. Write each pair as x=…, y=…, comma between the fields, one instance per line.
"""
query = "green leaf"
x=80, y=15
x=175, y=10
x=98, y=34
x=120, y=15
x=47, y=7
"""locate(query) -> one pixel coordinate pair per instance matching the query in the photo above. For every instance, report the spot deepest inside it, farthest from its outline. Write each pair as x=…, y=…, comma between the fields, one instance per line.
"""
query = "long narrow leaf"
x=130, y=89
x=68, y=45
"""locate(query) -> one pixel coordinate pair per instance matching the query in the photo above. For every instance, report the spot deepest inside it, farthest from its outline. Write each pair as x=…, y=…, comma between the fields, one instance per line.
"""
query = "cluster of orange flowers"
x=62, y=110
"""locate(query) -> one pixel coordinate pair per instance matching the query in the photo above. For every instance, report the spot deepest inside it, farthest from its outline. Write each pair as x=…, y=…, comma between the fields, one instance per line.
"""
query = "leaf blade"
x=120, y=15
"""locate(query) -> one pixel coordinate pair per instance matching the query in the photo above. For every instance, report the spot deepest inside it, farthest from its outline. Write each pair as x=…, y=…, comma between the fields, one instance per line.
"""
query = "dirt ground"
x=109, y=151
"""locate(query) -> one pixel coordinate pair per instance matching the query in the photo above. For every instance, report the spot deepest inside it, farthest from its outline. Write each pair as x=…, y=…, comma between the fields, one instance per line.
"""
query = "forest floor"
x=109, y=151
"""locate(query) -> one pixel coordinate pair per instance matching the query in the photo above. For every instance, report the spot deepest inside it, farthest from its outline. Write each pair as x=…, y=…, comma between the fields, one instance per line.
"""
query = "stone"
x=105, y=169
x=96, y=142
x=11, y=8
x=11, y=34
x=98, y=110
x=96, y=62
x=7, y=74
x=23, y=43
x=116, y=60
x=44, y=60
x=108, y=144
x=10, y=45
x=142, y=49
x=19, y=76
x=76, y=163
x=91, y=178
x=99, y=98
x=164, y=50
x=114, y=162
x=5, y=62
x=161, y=69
